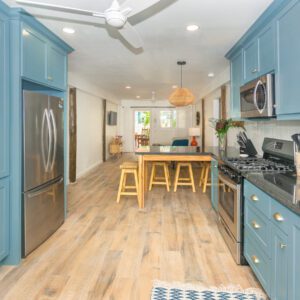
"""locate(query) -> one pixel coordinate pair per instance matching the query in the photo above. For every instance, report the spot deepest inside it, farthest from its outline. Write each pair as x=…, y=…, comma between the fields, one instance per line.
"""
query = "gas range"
x=278, y=157
x=262, y=165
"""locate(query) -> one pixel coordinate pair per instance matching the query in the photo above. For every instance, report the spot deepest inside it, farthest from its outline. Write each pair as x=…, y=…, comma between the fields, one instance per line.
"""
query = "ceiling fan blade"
x=130, y=34
x=61, y=8
x=138, y=6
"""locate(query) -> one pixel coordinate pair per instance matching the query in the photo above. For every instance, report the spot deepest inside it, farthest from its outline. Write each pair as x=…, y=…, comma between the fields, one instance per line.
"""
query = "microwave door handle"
x=255, y=94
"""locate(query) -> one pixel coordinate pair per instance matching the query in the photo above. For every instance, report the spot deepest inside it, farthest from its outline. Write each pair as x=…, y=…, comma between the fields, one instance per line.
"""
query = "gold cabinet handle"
x=50, y=78
x=254, y=198
x=255, y=259
x=282, y=246
x=278, y=217
x=255, y=225
x=254, y=70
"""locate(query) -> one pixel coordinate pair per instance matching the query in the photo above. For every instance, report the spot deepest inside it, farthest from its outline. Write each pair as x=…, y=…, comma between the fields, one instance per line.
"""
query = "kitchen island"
x=174, y=153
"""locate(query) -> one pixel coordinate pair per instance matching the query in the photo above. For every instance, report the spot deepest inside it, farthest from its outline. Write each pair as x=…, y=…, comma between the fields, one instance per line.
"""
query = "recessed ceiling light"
x=138, y=97
x=68, y=30
x=128, y=87
x=174, y=86
x=192, y=27
x=211, y=75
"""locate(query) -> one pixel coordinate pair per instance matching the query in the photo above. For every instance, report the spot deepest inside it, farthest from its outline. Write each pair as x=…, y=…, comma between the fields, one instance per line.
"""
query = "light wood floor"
x=107, y=250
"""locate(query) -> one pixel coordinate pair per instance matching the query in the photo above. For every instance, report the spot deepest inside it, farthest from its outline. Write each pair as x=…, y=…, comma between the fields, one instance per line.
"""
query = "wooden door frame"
x=72, y=134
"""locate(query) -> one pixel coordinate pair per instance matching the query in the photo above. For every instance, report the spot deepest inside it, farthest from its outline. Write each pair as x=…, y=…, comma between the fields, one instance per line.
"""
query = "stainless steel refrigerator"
x=43, y=165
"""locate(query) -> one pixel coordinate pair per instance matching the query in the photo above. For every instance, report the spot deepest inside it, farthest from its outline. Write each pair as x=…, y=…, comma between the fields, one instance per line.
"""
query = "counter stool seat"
x=184, y=181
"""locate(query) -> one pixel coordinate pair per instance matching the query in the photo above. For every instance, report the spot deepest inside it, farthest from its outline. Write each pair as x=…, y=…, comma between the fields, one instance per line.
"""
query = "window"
x=168, y=119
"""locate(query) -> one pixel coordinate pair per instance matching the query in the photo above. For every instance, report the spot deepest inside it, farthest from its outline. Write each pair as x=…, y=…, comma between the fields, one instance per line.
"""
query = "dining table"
x=148, y=154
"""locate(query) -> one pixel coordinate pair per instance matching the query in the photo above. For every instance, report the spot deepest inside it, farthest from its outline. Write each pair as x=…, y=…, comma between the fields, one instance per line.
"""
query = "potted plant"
x=222, y=126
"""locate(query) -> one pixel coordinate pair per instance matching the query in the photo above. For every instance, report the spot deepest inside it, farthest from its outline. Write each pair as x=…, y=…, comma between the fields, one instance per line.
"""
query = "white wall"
x=89, y=132
x=186, y=115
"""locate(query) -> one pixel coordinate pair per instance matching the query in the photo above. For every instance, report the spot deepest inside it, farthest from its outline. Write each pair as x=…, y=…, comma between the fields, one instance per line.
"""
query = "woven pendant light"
x=181, y=96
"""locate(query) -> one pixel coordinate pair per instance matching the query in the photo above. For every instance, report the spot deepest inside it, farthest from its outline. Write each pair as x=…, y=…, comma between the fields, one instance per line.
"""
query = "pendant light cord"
x=181, y=77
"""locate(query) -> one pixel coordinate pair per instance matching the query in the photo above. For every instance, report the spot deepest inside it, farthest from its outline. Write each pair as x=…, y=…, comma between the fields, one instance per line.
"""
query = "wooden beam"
x=72, y=134
x=223, y=100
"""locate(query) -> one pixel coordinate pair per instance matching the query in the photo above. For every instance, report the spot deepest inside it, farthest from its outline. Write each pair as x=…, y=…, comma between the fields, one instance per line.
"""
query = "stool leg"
x=166, y=177
x=192, y=177
x=169, y=177
x=176, y=177
x=152, y=177
x=201, y=175
x=137, y=187
x=205, y=178
x=124, y=182
x=120, y=186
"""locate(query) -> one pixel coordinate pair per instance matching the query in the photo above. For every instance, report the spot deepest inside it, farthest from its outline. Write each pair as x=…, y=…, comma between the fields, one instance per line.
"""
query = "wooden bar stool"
x=126, y=190
x=189, y=181
x=204, y=176
x=162, y=180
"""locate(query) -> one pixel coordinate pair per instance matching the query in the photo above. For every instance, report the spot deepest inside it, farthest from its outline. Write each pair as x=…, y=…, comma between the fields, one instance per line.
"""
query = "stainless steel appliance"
x=277, y=159
x=257, y=98
x=43, y=165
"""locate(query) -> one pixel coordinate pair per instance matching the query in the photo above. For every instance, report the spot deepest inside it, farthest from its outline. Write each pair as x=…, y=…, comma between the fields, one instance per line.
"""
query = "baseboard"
x=88, y=170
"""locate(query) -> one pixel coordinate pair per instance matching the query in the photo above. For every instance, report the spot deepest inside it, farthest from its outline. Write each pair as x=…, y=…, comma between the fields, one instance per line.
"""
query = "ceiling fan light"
x=115, y=19
x=182, y=97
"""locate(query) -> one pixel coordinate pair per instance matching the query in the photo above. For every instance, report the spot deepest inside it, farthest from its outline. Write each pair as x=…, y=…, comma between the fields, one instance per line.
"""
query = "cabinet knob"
x=254, y=198
x=50, y=78
x=255, y=225
x=278, y=217
x=255, y=259
x=282, y=246
x=254, y=71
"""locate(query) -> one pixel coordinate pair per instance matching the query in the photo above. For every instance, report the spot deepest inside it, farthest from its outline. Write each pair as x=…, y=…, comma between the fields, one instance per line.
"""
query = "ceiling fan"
x=115, y=16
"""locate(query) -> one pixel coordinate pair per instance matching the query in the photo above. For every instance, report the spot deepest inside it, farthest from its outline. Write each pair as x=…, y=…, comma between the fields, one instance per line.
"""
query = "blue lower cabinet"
x=293, y=249
x=214, y=184
x=279, y=258
x=258, y=260
x=4, y=215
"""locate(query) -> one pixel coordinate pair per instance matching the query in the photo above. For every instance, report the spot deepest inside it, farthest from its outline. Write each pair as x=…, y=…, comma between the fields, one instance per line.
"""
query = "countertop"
x=285, y=188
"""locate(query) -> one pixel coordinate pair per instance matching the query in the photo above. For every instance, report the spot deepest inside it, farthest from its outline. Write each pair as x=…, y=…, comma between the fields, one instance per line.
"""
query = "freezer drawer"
x=43, y=214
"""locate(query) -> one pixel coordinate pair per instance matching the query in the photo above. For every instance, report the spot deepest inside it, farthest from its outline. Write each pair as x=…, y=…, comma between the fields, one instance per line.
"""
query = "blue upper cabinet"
x=272, y=45
x=57, y=67
x=236, y=69
x=251, y=68
x=4, y=95
x=42, y=61
x=34, y=51
x=267, y=49
x=288, y=87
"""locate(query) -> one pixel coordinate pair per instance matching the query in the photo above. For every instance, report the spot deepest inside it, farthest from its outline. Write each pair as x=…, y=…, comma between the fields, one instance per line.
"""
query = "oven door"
x=230, y=205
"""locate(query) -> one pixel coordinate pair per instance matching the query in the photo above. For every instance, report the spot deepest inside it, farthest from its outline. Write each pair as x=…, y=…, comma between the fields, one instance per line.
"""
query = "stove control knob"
x=232, y=176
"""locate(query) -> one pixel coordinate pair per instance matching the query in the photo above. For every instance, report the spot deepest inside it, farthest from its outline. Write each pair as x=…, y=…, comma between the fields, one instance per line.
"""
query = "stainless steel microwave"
x=257, y=98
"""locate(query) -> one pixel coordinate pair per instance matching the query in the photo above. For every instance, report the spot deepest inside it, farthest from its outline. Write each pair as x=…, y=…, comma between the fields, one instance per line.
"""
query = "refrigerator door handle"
x=54, y=138
x=44, y=189
x=43, y=141
x=50, y=140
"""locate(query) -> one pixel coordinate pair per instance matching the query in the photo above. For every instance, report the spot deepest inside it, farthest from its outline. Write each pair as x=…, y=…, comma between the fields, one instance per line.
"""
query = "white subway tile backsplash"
x=258, y=130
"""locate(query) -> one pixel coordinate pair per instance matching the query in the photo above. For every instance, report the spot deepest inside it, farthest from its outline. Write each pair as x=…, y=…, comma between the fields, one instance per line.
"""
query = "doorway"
x=142, y=126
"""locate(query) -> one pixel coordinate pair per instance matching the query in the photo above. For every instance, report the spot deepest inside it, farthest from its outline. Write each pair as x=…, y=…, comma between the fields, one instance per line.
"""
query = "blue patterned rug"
x=177, y=291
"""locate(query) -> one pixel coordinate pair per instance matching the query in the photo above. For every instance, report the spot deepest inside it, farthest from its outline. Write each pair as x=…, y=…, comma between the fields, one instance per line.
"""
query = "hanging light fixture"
x=181, y=96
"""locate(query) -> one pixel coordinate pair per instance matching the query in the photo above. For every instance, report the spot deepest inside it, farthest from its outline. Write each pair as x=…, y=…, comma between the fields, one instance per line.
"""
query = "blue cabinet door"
x=236, y=82
x=267, y=50
x=4, y=215
x=288, y=87
x=251, y=67
x=294, y=258
x=4, y=109
x=279, y=258
x=214, y=184
x=56, y=67
x=34, y=53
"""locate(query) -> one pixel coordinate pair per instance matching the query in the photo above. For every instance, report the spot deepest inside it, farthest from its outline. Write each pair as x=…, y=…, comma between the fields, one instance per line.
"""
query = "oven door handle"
x=229, y=182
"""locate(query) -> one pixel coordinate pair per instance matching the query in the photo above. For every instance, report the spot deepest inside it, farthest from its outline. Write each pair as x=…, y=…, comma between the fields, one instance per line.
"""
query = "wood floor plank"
x=106, y=250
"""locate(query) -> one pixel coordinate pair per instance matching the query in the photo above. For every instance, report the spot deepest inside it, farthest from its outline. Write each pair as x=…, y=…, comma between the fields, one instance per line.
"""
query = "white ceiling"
x=107, y=62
